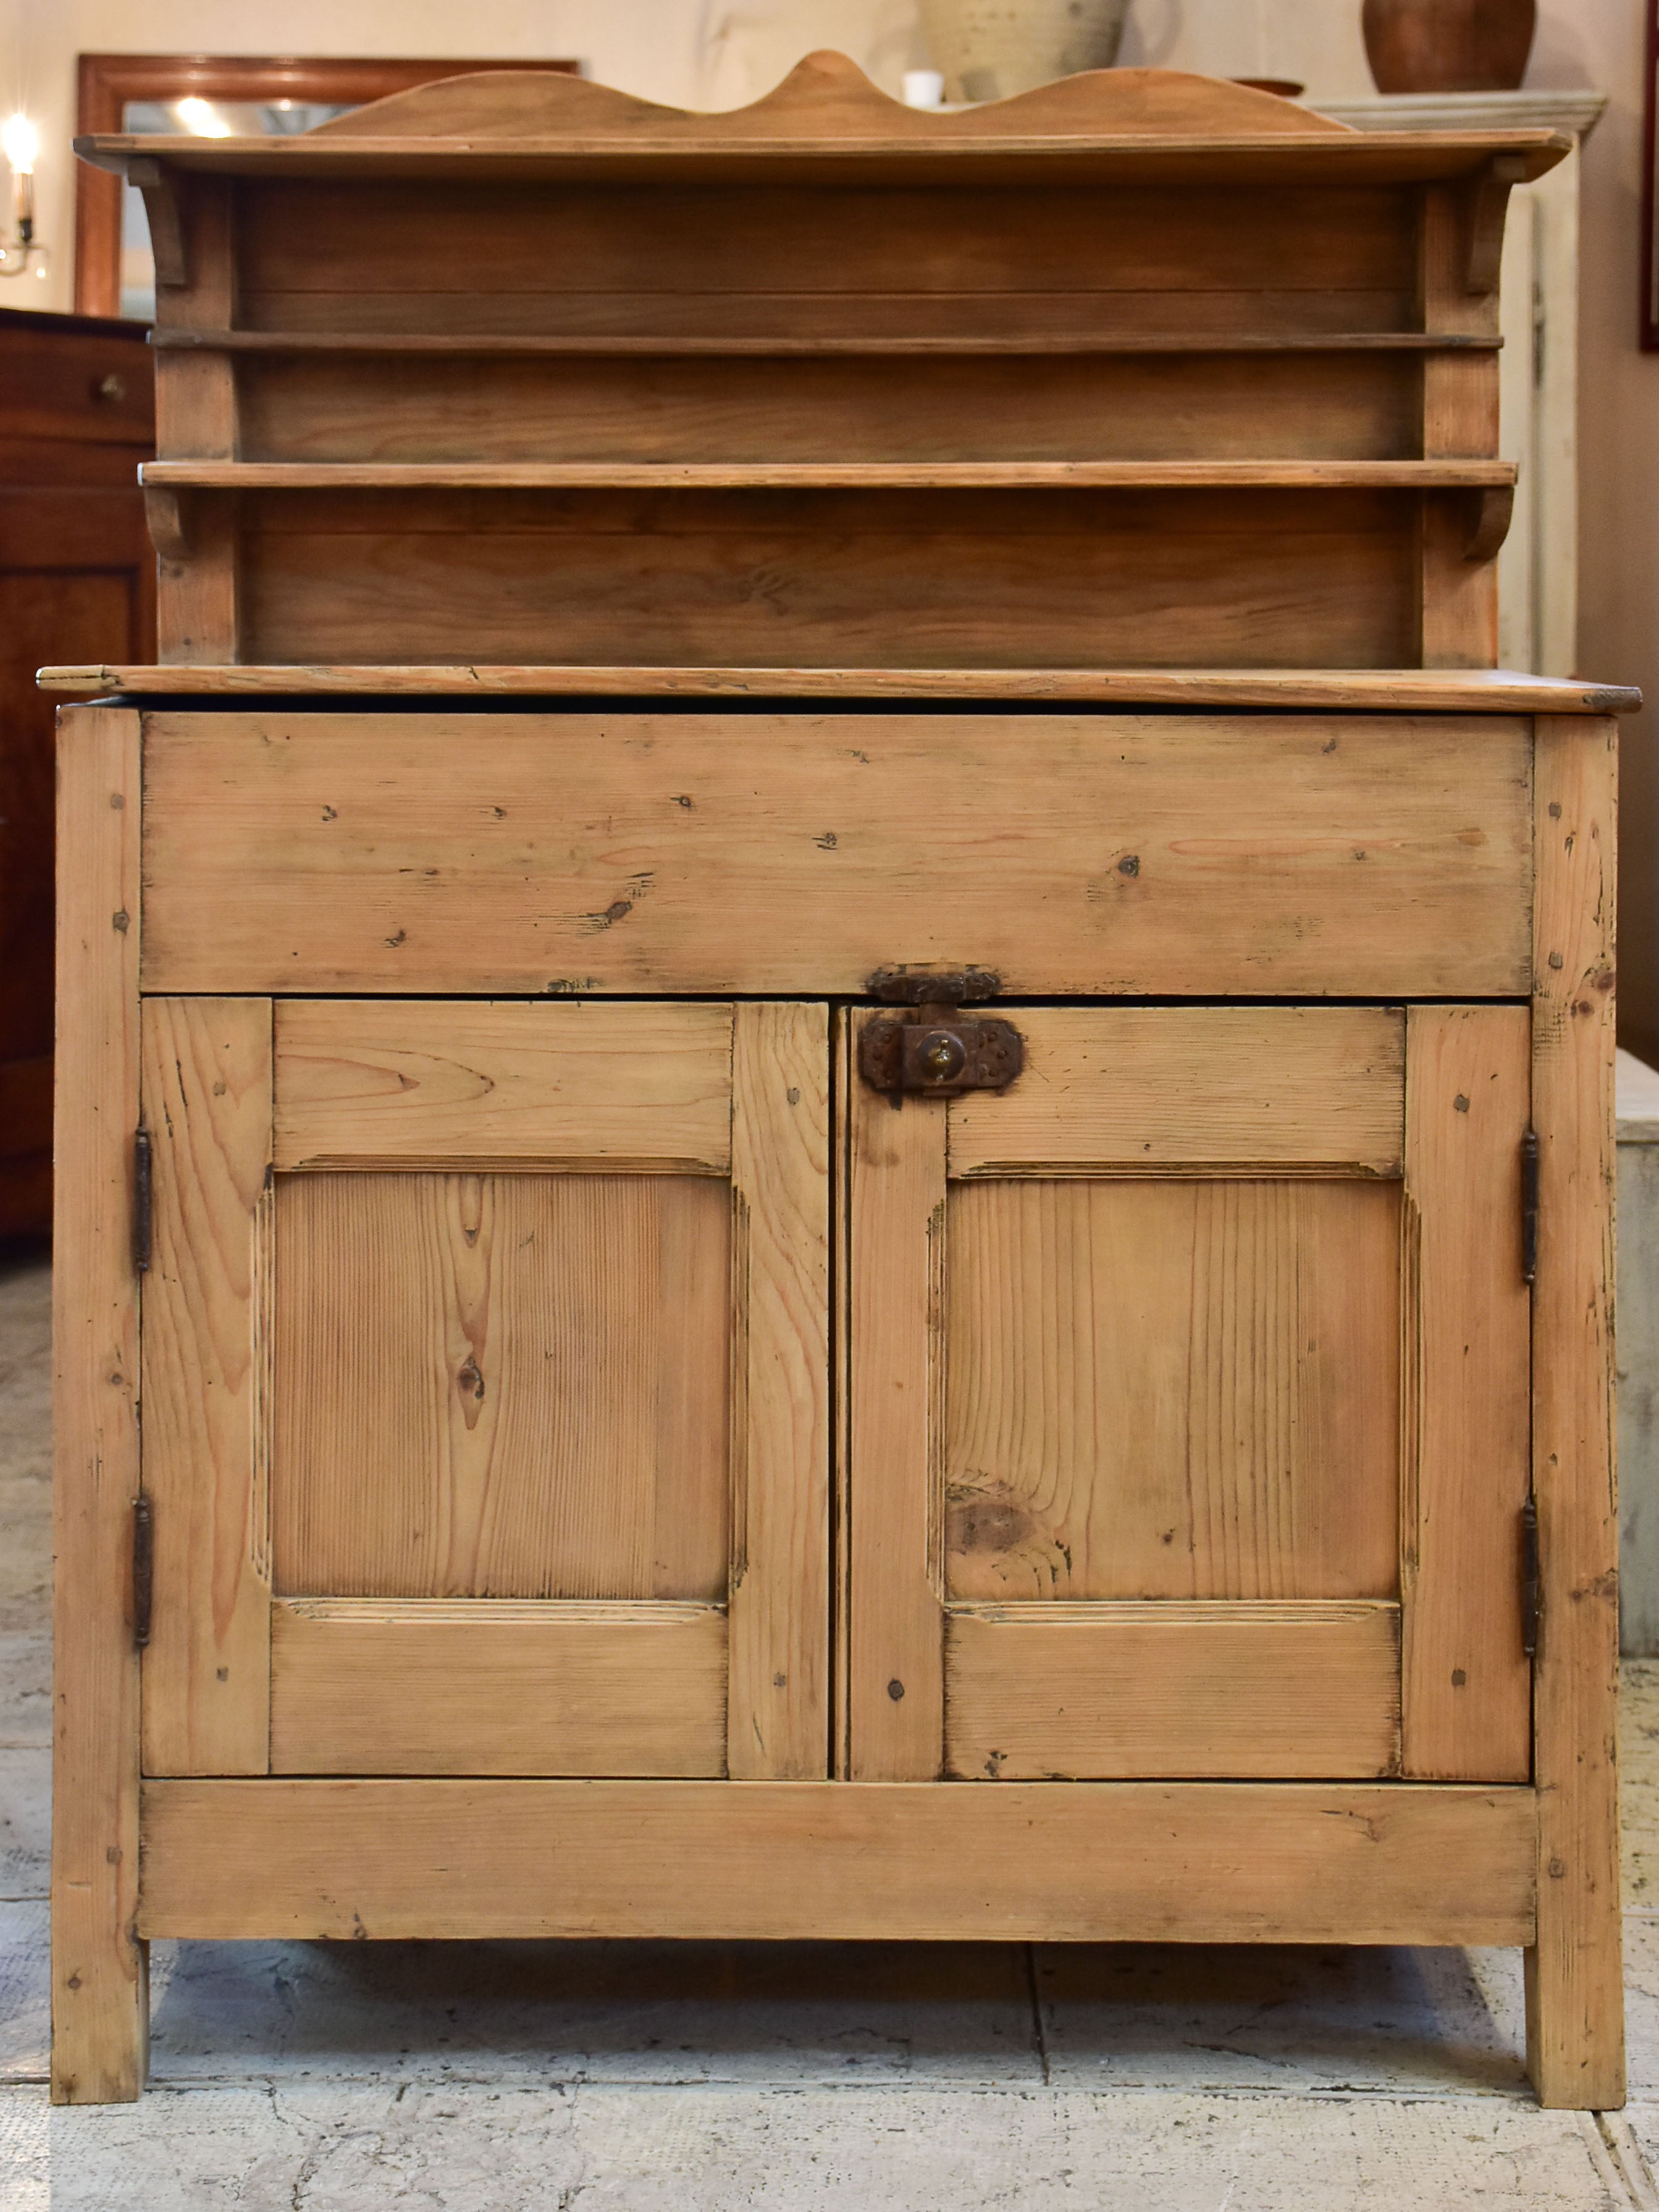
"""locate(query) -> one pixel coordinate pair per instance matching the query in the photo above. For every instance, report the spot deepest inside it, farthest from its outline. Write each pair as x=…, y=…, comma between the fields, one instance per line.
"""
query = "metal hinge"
x=141, y=1200
x=1529, y=1206
x=933, y=1049
x=1531, y=1583
x=143, y=1568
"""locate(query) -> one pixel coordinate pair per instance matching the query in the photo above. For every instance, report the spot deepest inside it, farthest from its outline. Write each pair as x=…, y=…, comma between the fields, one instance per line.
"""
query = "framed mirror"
x=216, y=96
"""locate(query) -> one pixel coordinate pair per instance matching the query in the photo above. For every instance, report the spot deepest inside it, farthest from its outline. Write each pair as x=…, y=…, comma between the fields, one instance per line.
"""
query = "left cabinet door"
x=485, y=1388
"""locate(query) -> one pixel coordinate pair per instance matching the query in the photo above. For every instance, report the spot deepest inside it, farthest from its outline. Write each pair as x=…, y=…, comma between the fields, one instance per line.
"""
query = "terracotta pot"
x=1448, y=45
x=992, y=49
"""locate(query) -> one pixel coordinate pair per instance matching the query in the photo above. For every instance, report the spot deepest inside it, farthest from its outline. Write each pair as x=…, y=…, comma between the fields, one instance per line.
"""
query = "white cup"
x=923, y=88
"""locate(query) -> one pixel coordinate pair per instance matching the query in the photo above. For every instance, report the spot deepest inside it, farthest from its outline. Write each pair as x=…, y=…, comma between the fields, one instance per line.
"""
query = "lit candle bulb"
x=21, y=141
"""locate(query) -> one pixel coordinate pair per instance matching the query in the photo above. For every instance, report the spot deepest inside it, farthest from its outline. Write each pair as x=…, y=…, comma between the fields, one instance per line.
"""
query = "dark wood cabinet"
x=78, y=414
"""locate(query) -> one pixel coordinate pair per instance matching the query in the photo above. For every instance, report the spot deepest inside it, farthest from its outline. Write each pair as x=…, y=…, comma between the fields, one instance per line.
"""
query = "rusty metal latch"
x=933, y=1049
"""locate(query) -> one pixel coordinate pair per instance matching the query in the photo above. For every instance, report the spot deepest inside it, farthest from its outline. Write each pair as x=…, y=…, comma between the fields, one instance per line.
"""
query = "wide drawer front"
x=794, y=852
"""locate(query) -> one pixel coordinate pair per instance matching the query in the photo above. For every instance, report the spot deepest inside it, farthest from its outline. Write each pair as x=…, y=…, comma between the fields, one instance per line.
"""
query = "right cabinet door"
x=1187, y=1389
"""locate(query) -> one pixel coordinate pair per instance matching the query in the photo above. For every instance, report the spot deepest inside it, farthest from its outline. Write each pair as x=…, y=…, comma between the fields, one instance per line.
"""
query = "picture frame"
x=107, y=83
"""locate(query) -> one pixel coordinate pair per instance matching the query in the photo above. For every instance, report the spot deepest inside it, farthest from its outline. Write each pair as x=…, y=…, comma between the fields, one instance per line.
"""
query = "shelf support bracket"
x=167, y=225
x=1485, y=204
x=1490, y=512
x=169, y=517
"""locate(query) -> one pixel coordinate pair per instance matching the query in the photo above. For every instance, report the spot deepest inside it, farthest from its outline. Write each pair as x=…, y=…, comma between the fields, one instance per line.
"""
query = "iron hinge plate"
x=143, y=1568
x=1531, y=1578
x=142, y=1171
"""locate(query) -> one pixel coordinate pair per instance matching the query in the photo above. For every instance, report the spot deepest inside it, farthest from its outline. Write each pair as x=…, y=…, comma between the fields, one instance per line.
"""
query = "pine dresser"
x=835, y=1074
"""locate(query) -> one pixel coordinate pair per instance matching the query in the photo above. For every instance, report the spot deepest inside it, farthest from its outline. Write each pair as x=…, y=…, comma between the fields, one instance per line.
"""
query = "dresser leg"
x=100, y=2010
x=1575, y=1987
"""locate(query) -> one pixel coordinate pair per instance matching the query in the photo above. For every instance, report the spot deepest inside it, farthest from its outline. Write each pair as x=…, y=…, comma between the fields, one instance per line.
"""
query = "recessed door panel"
x=501, y=1386
x=1172, y=1389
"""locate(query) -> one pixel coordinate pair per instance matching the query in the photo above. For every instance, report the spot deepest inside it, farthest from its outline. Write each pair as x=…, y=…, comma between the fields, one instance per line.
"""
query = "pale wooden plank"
x=1574, y=2008
x=198, y=567
x=1058, y=157
x=100, y=1997
x=735, y=346
x=1375, y=857
x=965, y=244
x=1467, y=1702
x=1460, y=417
x=1151, y=1087
x=825, y=96
x=1460, y=595
x=529, y=404
x=841, y=574
x=1279, y=1863
x=207, y=1107
x=494, y=1686
x=895, y=1449
x=1171, y=1390
x=199, y=553
x=778, y=1702
x=1058, y=1692
x=1430, y=690
x=798, y=475
x=196, y=414
x=501, y=1386
x=360, y=1084
x=843, y=1079
x=1460, y=393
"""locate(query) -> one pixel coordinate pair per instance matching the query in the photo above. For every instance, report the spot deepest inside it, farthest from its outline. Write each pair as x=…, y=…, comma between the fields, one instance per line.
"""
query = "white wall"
x=721, y=52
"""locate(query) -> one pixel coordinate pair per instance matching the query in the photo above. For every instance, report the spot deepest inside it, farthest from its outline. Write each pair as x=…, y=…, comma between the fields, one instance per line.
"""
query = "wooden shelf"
x=1259, y=163
x=1139, y=342
x=1397, y=689
x=942, y=476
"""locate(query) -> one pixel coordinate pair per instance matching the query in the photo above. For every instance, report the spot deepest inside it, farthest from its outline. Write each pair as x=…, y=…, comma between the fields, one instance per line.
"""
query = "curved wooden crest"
x=828, y=99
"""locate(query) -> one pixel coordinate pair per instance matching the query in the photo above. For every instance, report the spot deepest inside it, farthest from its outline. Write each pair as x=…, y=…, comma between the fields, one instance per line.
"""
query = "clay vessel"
x=992, y=49
x=1448, y=45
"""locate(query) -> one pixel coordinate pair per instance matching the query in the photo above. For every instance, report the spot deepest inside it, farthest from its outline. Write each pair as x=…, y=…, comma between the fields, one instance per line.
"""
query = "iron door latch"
x=933, y=1049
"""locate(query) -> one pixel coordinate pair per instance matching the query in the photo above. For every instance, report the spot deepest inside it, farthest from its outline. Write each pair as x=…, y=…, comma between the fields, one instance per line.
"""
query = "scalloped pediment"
x=827, y=98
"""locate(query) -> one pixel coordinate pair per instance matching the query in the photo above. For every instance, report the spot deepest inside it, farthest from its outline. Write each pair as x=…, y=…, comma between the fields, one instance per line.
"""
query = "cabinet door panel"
x=1180, y=1389
x=507, y=1451
x=417, y=1686
x=376, y=1082
x=501, y=1386
x=1036, y=1693
x=1314, y=1088
x=1187, y=1388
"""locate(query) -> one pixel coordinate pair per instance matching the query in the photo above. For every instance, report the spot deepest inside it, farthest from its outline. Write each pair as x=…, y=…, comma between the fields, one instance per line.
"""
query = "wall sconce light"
x=19, y=142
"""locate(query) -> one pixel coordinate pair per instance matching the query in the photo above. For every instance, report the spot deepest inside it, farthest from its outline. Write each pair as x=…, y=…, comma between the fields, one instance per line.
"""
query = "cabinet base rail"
x=1209, y=1863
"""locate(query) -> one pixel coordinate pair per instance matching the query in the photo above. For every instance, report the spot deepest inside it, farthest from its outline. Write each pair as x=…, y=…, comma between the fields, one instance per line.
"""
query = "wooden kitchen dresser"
x=802, y=1254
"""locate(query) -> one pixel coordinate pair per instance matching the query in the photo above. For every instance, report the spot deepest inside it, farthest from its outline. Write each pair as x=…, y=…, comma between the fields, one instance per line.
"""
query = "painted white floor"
x=518, y=2077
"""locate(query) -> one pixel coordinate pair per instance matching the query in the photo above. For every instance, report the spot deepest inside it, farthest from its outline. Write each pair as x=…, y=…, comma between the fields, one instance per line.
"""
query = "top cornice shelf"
x=1159, y=124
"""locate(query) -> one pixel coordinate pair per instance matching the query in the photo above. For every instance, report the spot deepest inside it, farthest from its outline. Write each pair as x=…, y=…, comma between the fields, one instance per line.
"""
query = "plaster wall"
x=719, y=53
